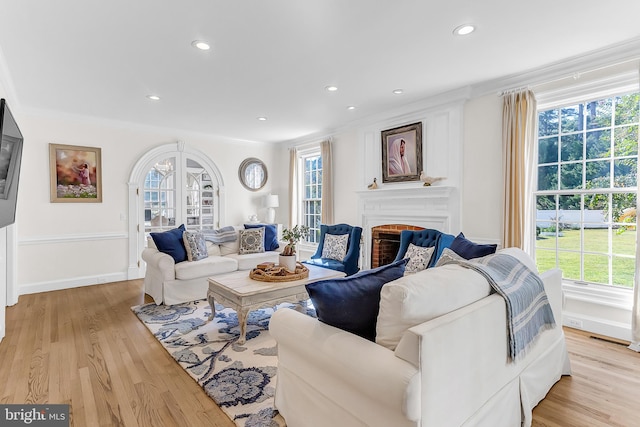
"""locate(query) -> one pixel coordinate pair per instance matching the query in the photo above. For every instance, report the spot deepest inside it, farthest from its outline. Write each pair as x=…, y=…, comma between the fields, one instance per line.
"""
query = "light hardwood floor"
x=86, y=348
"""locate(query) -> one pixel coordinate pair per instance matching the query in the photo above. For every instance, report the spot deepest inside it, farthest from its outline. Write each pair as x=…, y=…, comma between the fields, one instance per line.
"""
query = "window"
x=587, y=189
x=311, y=192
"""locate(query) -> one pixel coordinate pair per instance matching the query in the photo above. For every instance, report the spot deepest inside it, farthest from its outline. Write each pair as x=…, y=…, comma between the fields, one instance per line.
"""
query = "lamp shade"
x=271, y=201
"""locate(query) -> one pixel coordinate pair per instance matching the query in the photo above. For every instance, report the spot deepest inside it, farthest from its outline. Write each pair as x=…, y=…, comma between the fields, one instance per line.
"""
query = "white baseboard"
x=608, y=328
x=76, y=282
x=134, y=273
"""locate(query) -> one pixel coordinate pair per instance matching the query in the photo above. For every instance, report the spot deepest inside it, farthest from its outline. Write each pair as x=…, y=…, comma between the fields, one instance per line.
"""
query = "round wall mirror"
x=253, y=174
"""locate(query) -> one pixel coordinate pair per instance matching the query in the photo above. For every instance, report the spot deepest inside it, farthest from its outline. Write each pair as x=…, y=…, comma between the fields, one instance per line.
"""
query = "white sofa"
x=168, y=282
x=451, y=370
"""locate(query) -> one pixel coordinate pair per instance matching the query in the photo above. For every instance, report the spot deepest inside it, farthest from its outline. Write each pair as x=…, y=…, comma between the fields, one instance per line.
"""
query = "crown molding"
x=618, y=54
x=437, y=101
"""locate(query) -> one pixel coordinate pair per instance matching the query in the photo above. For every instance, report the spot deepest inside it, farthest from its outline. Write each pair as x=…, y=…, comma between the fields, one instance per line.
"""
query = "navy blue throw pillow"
x=171, y=243
x=443, y=241
x=352, y=303
x=468, y=250
x=270, y=235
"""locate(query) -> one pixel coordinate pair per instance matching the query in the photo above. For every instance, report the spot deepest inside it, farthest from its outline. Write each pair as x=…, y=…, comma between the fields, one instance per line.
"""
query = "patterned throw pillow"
x=270, y=235
x=195, y=245
x=419, y=258
x=335, y=246
x=251, y=241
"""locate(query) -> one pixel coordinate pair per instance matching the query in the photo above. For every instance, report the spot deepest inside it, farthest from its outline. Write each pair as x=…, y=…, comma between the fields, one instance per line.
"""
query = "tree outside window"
x=587, y=189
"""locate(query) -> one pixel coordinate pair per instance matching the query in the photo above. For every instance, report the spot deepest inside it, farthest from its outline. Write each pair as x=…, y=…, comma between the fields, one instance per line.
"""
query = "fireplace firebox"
x=386, y=242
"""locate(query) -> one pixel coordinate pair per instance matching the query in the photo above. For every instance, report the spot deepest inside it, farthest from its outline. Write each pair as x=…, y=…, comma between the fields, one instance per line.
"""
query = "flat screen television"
x=10, y=160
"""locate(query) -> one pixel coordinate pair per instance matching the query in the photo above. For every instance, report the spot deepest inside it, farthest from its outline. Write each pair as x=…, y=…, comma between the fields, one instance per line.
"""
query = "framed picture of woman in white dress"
x=402, y=153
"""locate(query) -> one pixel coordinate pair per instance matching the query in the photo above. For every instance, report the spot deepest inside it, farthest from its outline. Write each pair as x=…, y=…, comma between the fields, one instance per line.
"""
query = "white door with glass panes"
x=179, y=190
x=170, y=185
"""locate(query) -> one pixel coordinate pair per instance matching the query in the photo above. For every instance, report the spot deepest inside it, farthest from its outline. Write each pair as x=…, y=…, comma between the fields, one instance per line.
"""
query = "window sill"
x=600, y=295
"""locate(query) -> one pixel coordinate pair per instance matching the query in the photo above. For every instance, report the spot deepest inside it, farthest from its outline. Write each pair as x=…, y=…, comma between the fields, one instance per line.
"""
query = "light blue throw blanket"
x=528, y=309
x=221, y=235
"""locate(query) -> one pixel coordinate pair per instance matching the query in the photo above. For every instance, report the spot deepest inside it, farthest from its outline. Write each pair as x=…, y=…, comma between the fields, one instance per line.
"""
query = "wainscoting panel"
x=48, y=263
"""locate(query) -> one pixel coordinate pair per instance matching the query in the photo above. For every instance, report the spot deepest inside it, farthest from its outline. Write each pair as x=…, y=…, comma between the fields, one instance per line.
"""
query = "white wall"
x=357, y=155
x=483, y=183
x=85, y=243
x=346, y=167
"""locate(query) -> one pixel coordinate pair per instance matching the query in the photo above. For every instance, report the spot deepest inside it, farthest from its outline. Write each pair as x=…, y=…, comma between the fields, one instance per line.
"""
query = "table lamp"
x=271, y=201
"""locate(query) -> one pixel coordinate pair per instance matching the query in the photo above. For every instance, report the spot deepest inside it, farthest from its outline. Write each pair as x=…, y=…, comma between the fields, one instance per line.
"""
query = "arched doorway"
x=168, y=186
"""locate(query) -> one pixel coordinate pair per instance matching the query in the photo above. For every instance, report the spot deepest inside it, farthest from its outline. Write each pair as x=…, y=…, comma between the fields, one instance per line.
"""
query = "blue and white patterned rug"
x=239, y=378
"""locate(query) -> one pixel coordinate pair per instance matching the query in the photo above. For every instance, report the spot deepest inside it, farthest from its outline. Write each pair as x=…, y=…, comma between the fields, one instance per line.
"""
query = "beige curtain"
x=518, y=143
x=293, y=187
x=327, y=182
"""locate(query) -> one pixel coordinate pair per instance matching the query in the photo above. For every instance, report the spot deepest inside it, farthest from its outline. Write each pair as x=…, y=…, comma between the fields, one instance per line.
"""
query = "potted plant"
x=292, y=236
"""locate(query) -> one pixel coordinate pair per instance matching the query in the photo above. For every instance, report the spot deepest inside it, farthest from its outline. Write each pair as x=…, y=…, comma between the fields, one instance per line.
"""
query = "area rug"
x=239, y=378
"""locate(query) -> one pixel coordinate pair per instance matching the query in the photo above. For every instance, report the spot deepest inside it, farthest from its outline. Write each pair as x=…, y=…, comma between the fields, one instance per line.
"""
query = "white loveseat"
x=168, y=282
x=451, y=370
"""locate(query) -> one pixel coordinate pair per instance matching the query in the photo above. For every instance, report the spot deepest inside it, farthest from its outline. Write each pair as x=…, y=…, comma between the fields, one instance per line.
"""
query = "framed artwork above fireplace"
x=402, y=153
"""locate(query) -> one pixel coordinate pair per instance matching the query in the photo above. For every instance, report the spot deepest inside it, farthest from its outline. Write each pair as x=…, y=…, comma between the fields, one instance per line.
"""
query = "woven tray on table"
x=278, y=273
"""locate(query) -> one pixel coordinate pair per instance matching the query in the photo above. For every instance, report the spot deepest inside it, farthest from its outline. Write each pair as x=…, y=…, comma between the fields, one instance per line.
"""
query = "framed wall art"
x=402, y=153
x=76, y=174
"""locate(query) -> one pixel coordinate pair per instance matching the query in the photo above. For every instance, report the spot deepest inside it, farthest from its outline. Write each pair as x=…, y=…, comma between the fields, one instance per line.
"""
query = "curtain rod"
x=512, y=90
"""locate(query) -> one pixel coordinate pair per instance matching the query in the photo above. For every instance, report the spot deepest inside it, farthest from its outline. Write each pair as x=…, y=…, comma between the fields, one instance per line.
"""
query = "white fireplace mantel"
x=434, y=207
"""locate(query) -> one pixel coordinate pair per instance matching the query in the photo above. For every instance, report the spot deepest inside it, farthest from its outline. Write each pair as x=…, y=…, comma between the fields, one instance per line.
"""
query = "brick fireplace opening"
x=385, y=242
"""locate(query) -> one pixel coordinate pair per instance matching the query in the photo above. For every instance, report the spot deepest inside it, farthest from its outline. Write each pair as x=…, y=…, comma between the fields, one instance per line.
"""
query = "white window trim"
x=610, y=296
x=604, y=295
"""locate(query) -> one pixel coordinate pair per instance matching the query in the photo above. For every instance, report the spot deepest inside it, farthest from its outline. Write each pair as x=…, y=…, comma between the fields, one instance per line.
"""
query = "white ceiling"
x=274, y=58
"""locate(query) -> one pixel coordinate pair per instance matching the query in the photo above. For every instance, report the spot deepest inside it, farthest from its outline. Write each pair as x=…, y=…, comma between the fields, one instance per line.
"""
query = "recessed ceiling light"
x=331, y=88
x=351, y=107
x=262, y=119
x=153, y=97
x=398, y=91
x=199, y=44
x=464, y=29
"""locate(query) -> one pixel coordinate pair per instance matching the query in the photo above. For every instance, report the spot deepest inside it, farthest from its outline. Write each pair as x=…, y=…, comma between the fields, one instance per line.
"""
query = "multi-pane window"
x=312, y=194
x=587, y=190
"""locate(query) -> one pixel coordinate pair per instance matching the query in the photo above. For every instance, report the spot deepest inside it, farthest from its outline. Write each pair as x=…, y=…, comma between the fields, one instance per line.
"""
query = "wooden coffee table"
x=236, y=290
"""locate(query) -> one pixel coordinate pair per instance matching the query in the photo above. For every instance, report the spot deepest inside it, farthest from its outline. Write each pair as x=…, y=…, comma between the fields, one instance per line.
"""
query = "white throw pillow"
x=522, y=256
x=213, y=249
x=416, y=298
x=419, y=258
x=335, y=246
